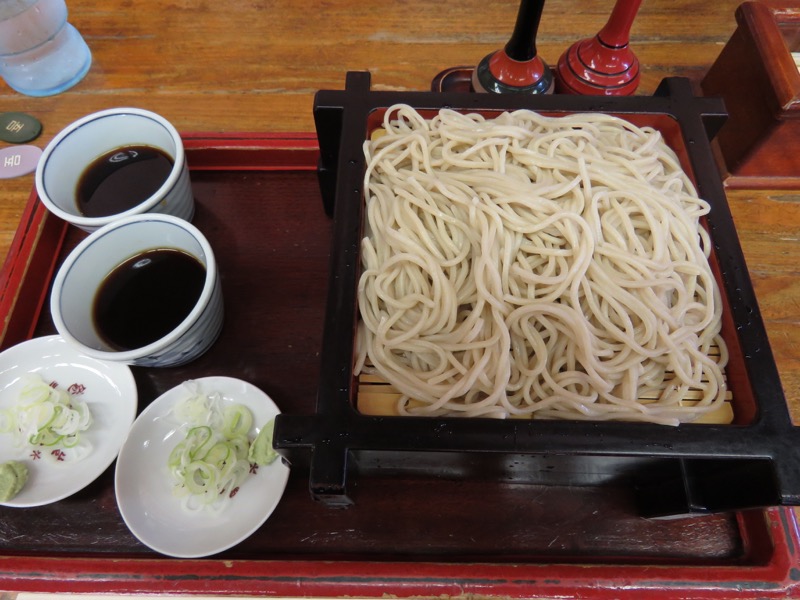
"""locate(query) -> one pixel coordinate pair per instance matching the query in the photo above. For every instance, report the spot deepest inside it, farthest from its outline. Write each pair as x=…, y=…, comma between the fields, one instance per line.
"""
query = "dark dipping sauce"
x=146, y=297
x=120, y=179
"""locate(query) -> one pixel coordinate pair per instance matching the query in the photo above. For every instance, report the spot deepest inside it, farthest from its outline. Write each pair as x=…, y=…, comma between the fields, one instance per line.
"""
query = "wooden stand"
x=756, y=76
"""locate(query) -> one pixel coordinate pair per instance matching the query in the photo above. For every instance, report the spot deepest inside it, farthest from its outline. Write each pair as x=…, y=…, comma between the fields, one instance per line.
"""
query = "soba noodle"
x=536, y=266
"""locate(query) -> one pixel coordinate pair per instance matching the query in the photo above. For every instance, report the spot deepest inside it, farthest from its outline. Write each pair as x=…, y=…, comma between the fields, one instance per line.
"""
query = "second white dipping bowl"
x=77, y=282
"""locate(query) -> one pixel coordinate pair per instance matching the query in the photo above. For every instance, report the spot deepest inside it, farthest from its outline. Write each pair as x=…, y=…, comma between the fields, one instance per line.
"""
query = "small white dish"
x=108, y=389
x=144, y=490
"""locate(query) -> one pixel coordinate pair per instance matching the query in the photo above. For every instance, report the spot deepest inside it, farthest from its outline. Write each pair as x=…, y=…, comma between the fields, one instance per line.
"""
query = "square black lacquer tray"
x=695, y=468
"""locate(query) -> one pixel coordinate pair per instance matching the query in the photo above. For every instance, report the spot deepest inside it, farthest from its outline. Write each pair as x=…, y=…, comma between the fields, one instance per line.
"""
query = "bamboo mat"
x=377, y=397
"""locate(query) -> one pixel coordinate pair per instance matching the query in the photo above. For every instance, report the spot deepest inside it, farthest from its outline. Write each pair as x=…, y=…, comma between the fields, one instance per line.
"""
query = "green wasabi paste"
x=261, y=451
x=13, y=476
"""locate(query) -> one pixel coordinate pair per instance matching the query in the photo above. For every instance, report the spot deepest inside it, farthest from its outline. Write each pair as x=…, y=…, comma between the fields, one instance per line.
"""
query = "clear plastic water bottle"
x=40, y=53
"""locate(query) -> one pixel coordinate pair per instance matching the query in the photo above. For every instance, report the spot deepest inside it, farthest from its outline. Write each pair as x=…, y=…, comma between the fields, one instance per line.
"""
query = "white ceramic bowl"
x=77, y=281
x=68, y=155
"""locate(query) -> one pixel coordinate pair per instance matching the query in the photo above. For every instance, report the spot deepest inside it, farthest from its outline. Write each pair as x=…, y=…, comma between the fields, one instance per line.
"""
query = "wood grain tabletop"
x=242, y=66
x=254, y=66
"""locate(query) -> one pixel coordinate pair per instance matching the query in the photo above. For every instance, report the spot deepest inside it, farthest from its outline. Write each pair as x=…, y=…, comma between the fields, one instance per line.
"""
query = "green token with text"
x=18, y=127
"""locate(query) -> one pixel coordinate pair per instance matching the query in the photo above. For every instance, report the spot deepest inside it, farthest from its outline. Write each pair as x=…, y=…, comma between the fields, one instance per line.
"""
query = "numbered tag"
x=18, y=127
x=16, y=161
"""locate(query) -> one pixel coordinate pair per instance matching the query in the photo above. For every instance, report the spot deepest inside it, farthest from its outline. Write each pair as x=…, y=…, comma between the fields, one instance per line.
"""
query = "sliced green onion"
x=47, y=416
x=237, y=421
x=211, y=462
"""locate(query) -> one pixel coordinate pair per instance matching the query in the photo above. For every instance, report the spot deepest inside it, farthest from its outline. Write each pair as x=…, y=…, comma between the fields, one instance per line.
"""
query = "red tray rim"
x=776, y=578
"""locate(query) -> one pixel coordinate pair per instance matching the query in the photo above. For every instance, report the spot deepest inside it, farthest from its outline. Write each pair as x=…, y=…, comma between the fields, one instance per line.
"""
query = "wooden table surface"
x=254, y=66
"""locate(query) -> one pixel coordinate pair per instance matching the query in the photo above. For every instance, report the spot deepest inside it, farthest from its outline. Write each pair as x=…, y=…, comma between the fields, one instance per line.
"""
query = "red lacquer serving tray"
x=259, y=204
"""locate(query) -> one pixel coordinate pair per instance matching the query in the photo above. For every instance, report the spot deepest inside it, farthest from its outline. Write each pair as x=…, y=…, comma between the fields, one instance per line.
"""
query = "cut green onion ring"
x=211, y=462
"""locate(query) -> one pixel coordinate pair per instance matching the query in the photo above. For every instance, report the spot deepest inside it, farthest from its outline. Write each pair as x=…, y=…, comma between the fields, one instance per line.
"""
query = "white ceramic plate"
x=144, y=494
x=108, y=389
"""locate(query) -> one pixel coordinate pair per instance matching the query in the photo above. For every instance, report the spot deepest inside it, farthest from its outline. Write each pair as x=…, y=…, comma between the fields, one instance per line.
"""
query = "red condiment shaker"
x=603, y=65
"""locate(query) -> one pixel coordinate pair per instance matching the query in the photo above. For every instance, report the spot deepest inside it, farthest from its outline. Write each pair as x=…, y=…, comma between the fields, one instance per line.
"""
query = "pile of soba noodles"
x=537, y=266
